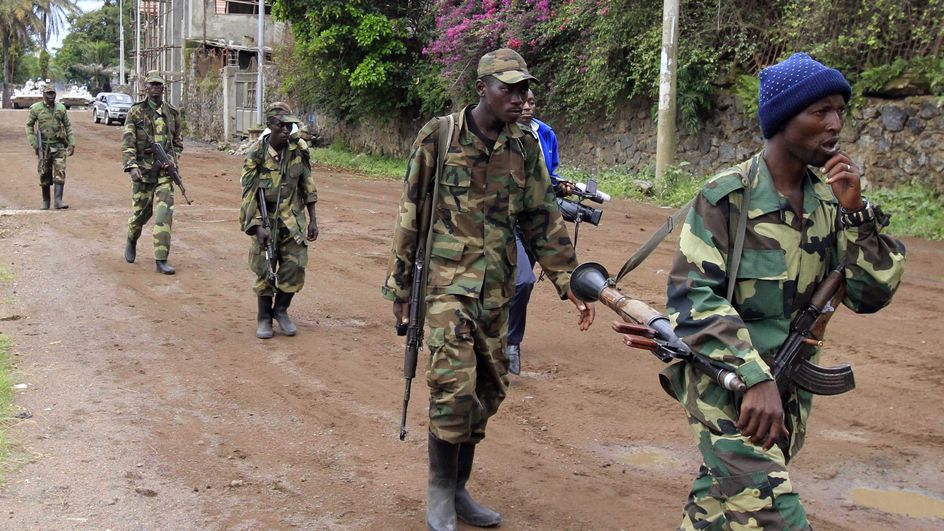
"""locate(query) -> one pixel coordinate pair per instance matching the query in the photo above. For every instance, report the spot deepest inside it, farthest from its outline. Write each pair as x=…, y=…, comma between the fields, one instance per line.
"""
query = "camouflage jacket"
x=144, y=125
x=53, y=123
x=783, y=261
x=287, y=179
x=481, y=196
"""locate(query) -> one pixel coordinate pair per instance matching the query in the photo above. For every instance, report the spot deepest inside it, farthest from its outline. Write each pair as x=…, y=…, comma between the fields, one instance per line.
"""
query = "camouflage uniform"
x=739, y=484
x=472, y=266
x=145, y=123
x=288, y=176
x=58, y=136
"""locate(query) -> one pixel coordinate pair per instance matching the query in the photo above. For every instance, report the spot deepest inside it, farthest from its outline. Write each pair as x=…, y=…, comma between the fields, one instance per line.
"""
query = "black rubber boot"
x=441, y=489
x=467, y=509
x=45, y=190
x=282, y=302
x=264, y=318
x=163, y=268
x=131, y=250
x=59, y=203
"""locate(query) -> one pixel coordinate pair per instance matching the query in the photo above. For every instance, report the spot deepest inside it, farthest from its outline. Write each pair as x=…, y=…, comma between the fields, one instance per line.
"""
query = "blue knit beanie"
x=788, y=87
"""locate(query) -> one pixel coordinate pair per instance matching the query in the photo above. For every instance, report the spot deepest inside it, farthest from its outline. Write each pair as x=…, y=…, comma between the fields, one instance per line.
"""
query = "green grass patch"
x=6, y=395
x=5, y=275
x=368, y=165
x=678, y=187
x=917, y=210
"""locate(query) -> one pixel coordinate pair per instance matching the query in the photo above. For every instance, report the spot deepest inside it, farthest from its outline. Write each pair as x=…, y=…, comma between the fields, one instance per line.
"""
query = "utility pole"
x=666, y=135
x=121, y=43
x=260, y=86
x=137, y=49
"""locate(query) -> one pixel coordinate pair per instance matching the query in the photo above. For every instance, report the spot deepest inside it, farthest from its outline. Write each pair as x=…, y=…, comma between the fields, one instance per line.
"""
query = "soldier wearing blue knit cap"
x=799, y=225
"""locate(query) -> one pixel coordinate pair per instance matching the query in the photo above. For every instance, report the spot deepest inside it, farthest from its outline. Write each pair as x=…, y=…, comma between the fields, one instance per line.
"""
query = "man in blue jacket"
x=524, y=283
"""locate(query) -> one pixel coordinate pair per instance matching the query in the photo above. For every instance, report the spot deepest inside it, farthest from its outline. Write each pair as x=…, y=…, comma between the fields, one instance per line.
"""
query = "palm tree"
x=96, y=62
x=18, y=22
x=53, y=14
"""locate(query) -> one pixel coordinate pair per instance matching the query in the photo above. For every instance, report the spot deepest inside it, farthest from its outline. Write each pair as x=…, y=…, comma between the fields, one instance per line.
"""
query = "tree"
x=93, y=27
x=53, y=14
x=18, y=22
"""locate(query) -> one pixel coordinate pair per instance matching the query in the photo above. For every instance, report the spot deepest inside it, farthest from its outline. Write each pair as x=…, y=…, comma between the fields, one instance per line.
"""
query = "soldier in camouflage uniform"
x=58, y=142
x=151, y=120
x=800, y=226
x=493, y=177
x=279, y=164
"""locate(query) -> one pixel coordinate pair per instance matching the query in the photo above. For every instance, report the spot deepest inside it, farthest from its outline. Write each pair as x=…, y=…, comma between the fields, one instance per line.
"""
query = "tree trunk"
x=7, y=101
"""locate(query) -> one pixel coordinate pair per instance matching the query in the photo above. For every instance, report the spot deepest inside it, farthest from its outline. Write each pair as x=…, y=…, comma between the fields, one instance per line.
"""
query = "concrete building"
x=170, y=29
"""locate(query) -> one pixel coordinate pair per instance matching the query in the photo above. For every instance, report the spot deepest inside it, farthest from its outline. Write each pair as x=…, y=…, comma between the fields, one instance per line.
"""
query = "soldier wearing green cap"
x=151, y=120
x=493, y=177
x=279, y=165
x=54, y=126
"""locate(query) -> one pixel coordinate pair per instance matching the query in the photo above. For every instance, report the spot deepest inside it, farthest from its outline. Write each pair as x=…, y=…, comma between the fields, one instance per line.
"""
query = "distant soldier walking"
x=51, y=121
x=151, y=120
x=277, y=189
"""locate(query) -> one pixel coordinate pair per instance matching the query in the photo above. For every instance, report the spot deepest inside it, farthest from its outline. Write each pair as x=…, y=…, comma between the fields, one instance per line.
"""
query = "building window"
x=245, y=7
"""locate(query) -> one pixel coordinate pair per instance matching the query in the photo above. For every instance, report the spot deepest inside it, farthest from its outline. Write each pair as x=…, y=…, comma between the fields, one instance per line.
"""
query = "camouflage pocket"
x=455, y=183
x=760, y=283
x=444, y=258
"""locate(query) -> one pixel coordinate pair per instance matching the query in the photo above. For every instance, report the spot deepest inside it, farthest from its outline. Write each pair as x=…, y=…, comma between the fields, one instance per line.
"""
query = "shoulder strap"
x=643, y=252
x=734, y=258
x=445, y=138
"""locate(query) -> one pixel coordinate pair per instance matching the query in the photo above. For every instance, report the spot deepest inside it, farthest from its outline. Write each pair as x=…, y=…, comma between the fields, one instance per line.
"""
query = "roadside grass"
x=5, y=275
x=917, y=209
x=6, y=397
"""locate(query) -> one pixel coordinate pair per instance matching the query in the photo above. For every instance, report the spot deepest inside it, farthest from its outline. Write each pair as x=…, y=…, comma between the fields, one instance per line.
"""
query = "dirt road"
x=153, y=405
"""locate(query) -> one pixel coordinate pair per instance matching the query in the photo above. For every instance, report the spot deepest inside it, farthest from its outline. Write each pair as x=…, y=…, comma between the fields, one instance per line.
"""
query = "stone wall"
x=203, y=98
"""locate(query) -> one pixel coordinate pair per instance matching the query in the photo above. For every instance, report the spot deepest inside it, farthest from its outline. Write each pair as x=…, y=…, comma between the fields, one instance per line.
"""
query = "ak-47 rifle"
x=267, y=225
x=40, y=148
x=413, y=329
x=161, y=159
x=791, y=366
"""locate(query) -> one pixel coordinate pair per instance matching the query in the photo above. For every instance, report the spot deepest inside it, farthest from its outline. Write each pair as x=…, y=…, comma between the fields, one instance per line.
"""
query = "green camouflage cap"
x=282, y=111
x=154, y=76
x=504, y=65
x=48, y=89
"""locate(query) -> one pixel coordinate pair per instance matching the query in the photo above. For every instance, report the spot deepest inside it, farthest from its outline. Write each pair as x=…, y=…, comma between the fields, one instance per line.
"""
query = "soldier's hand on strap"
x=761, y=417
x=312, y=231
x=71, y=150
x=135, y=174
x=586, y=311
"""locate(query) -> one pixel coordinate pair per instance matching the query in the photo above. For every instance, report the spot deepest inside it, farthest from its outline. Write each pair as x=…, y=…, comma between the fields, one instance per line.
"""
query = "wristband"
x=860, y=216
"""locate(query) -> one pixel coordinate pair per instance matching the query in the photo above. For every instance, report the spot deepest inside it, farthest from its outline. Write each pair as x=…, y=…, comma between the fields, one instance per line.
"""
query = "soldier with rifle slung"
x=49, y=132
x=149, y=122
x=278, y=188
x=800, y=229
x=471, y=177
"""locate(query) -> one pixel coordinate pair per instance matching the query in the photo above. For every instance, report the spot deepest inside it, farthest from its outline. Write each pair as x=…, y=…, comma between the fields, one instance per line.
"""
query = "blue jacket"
x=548, y=141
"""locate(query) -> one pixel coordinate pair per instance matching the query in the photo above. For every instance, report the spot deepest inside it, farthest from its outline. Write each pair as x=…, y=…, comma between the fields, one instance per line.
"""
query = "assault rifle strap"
x=445, y=138
x=675, y=219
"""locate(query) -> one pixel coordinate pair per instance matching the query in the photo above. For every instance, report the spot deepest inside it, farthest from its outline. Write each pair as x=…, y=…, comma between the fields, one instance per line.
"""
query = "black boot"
x=441, y=489
x=131, y=250
x=163, y=268
x=59, y=203
x=45, y=190
x=468, y=510
x=264, y=318
x=282, y=302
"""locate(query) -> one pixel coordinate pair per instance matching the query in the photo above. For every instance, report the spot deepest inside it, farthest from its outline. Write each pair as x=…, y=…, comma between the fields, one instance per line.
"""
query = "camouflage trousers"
x=740, y=486
x=467, y=368
x=145, y=199
x=291, y=258
x=54, y=169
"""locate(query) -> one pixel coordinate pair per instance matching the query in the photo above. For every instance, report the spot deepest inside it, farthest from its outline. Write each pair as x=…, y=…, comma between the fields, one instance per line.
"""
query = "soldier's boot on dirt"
x=45, y=198
x=59, y=203
x=163, y=268
x=282, y=302
x=131, y=250
x=264, y=318
x=467, y=509
x=441, y=488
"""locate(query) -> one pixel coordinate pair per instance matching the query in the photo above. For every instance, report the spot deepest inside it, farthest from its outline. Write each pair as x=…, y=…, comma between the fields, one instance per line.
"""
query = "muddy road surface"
x=150, y=404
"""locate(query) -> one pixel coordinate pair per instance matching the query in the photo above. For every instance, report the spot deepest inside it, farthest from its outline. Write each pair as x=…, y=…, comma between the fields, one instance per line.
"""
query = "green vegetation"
x=5, y=275
x=6, y=393
x=369, y=165
x=916, y=209
x=89, y=54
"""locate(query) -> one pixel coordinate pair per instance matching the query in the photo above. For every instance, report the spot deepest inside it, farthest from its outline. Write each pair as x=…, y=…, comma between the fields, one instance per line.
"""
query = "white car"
x=111, y=106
